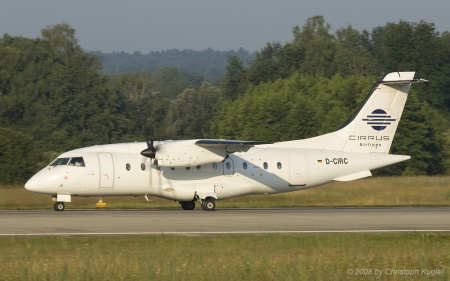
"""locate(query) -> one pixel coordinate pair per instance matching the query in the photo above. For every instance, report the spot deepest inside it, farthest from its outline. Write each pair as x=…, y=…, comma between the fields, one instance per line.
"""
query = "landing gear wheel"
x=59, y=206
x=209, y=204
x=187, y=205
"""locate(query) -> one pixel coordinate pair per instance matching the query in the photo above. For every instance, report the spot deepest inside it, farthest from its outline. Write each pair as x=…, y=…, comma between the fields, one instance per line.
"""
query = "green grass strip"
x=223, y=257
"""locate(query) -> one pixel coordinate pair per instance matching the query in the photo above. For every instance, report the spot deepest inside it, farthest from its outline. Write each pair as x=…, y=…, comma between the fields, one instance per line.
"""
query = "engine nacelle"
x=186, y=153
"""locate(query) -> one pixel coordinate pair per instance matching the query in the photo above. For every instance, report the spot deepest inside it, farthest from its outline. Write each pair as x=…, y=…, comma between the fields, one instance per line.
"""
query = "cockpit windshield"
x=74, y=161
x=59, y=161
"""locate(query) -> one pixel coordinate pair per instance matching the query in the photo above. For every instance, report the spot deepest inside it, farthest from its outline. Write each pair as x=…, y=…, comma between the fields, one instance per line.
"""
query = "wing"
x=230, y=146
x=186, y=153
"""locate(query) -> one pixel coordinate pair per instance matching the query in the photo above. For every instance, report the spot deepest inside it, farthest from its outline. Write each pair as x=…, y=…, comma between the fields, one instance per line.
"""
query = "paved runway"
x=223, y=221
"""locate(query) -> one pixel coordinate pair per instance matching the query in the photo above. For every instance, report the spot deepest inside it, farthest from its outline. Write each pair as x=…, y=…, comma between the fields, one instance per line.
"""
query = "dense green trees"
x=235, y=81
x=190, y=114
x=297, y=107
x=18, y=156
x=143, y=104
x=167, y=105
x=308, y=86
x=52, y=93
x=54, y=96
x=401, y=46
x=50, y=89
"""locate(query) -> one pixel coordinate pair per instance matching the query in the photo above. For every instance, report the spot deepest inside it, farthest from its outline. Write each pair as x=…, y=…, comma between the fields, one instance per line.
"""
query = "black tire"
x=59, y=206
x=187, y=205
x=209, y=204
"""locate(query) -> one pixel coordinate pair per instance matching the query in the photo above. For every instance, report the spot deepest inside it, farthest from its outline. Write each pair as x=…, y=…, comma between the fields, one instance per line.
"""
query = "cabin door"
x=106, y=170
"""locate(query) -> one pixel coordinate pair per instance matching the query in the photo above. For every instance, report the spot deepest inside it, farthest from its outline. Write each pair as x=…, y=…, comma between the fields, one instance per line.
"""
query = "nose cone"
x=40, y=182
x=32, y=184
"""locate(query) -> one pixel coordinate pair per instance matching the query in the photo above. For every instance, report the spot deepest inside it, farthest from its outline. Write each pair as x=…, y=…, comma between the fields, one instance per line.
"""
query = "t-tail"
x=372, y=128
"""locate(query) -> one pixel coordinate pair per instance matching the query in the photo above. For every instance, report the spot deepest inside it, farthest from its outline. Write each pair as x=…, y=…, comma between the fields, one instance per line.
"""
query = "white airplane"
x=206, y=170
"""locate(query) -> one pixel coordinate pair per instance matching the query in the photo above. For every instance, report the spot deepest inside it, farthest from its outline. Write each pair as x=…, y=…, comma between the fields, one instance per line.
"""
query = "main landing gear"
x=59, y=206
x=208, y=204
x=187, y=205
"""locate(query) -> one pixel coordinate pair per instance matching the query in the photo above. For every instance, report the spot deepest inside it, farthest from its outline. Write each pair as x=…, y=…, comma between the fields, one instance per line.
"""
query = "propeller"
x=150, y=151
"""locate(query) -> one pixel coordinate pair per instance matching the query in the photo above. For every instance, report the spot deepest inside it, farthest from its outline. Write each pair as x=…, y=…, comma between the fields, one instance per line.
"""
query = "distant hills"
x=209, y=64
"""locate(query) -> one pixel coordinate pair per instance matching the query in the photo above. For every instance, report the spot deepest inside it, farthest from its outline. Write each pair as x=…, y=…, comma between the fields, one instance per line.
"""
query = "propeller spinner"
x=150, y=151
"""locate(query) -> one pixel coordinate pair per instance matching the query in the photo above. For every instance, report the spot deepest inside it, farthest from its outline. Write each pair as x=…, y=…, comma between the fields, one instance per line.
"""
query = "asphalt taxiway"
x=224, y=221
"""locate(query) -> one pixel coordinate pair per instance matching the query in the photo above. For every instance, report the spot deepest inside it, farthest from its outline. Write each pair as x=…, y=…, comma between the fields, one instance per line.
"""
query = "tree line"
x=54, y=96
x=209, y=64
x=313, y=83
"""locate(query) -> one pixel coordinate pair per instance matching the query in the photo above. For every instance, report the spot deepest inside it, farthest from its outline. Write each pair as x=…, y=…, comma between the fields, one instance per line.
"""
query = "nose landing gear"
x=59, y=200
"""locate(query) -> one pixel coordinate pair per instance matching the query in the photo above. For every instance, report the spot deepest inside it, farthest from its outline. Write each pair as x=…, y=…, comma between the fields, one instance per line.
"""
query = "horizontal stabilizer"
x=359, y=175
x=413, y=81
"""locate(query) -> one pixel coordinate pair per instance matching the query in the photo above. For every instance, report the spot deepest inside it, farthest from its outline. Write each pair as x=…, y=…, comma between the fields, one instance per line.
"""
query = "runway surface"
x=223, y=221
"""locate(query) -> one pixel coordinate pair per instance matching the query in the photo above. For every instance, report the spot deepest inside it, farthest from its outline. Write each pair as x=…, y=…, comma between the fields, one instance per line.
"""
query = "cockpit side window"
x=76, y=161
x=59, y=161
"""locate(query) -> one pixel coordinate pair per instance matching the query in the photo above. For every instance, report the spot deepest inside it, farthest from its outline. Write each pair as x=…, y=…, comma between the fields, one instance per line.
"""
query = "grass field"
x=258, y=257
x=376, y=191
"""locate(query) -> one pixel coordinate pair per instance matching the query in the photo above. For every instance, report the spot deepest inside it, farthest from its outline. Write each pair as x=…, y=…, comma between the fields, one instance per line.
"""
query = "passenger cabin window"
x=77, y=162
x=279, y=165
x=128, y=166
x=142, y=166
x=244, y=165
x=214, y=165
x=265, y=165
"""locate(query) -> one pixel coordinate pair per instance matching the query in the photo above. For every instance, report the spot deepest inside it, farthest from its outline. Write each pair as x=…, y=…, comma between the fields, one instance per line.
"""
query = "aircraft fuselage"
x=119, y=169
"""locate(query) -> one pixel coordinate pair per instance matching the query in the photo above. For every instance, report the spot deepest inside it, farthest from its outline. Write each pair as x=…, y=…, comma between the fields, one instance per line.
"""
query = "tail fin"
x=372, y=128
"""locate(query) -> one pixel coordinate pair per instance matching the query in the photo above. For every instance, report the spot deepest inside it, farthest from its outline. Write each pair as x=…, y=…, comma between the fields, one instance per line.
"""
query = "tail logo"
x=379, y=120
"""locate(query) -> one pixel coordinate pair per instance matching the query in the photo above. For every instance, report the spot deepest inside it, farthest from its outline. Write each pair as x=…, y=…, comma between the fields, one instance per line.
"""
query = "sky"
x=157, y=25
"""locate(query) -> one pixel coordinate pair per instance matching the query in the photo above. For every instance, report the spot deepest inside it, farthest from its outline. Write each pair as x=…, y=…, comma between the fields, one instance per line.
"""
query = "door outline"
x=106, y=166
x=298, y=170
